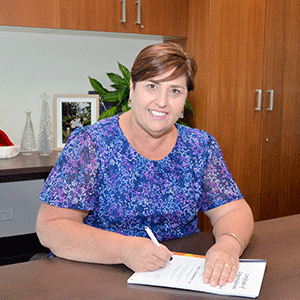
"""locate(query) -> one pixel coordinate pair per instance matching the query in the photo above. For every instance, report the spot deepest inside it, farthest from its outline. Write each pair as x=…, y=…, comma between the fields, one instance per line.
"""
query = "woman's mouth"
x=156, y=113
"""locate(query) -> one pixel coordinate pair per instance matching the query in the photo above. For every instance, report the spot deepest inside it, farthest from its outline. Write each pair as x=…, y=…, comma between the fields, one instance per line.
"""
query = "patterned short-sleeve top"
x=100, y=172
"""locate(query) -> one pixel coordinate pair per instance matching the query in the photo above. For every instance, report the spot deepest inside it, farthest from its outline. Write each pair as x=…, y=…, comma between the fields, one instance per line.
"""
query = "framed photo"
x=70, y=112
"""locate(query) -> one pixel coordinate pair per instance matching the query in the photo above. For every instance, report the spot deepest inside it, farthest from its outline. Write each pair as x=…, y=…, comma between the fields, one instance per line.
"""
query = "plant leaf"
x=116, y=79
x=126, y=73
x=117, y=86
x=111, y=97
x=98, y=87
x=125, y=107
x=108, y=113
x=188, y=105
x=122, y=94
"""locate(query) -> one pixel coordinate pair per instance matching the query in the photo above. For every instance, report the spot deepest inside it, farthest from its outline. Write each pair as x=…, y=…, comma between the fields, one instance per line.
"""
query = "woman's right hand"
x=140, y=254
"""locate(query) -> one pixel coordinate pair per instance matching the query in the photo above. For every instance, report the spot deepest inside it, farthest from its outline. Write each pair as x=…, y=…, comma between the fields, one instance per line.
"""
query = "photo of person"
x=74, y=115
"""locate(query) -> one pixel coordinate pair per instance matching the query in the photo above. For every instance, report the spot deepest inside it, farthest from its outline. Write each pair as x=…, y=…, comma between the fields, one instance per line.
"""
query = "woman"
x=141, y=169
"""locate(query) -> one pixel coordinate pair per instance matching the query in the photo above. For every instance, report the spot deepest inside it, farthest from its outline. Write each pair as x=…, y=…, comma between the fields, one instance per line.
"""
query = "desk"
x=27, y=167
x=277, y=240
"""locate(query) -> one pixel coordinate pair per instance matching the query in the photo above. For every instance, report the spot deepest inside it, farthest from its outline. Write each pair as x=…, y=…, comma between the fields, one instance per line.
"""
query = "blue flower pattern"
x=100, y=172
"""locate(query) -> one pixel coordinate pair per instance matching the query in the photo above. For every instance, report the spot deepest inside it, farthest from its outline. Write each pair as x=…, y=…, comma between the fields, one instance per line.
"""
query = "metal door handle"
x=258, y=100
x=271, y=99
x=123, y=11
x=138, y=20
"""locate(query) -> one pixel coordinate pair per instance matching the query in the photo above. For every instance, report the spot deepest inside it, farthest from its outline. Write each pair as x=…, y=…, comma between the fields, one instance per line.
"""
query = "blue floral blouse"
x=100, y=172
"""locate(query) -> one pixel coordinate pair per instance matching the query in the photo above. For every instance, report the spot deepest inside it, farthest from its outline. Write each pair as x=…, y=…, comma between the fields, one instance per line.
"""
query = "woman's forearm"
x=73, y=240
x=63, y=231
x=235, y=227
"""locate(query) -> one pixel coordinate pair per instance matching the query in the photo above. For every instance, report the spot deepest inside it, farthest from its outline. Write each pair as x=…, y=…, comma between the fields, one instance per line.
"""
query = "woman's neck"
x=153, y=147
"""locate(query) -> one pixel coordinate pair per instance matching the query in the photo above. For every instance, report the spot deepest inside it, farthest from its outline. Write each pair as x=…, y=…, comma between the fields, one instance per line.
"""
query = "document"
x=185, y=272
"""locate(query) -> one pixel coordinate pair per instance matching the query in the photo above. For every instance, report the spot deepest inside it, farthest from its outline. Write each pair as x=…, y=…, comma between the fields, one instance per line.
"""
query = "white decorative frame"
x=79, y=101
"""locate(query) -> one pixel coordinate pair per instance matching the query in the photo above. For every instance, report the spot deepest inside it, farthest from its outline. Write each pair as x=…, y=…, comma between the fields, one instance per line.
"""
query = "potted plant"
x=118, y=98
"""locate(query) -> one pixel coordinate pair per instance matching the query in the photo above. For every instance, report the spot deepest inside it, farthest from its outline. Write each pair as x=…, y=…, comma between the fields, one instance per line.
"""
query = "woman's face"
x=156, y=105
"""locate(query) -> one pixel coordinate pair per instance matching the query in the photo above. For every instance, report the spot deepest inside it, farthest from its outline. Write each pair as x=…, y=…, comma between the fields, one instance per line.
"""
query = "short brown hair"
x=157, y=59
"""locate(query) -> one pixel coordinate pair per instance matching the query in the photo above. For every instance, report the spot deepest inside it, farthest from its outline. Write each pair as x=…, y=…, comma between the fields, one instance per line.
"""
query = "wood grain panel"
x=229, y=49
x=289, y=194
x=30, y=13
x=272, y=120
x=236, y=72
x=289, y=183
x=158, y=17
x=163, y=17
x=92, y=15
x=198, y=45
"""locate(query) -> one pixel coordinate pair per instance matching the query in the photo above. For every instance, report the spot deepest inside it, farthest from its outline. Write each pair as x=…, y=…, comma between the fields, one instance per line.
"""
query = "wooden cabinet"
x=244, y=48
x=163, y=17
x=93, y=15
x=30, y=13
x=155, y=17
x=280, y=176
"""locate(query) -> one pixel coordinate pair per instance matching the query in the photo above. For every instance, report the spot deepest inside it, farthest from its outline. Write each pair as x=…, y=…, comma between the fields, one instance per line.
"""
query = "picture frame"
x=70, y=112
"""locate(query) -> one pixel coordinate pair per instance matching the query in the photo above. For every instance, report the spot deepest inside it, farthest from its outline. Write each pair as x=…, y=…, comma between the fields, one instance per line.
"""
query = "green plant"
x=119, y=97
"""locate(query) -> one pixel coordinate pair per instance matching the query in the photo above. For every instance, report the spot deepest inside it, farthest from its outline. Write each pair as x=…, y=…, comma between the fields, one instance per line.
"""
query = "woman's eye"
x=151, y=86
x=176, y=91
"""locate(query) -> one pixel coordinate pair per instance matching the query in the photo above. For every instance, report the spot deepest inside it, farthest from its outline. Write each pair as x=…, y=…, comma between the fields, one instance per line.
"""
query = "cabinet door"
x=31, y=13
x=96, y=15
x=237, y=48
x=227, y=39
x=280, y=189
x=160, y=17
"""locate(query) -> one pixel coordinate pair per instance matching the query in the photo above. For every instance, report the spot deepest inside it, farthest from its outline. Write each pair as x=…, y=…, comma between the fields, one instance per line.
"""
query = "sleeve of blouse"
x=218, y=184
x=72, y=181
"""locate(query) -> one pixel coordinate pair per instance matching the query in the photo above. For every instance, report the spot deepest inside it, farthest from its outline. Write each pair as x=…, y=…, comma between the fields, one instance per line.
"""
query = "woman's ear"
x=131, y=88
x=131, y=84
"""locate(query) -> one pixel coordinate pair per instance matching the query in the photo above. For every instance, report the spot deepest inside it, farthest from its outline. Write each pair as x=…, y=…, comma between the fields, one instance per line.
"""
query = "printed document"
x=185, y=272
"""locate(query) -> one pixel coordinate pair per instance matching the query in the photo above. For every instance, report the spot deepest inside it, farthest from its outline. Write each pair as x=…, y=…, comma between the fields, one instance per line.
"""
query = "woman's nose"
x=162, y=99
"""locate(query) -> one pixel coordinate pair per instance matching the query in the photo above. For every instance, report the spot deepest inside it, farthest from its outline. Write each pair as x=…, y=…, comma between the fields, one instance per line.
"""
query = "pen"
x=152, y=236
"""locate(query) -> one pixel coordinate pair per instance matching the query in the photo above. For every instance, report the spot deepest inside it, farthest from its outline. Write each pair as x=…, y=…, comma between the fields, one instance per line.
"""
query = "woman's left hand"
x=221, y=265
x=232, y=228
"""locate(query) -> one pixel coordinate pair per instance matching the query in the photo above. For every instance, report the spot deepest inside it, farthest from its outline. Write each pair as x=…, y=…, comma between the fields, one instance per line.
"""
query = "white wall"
x=55, y=62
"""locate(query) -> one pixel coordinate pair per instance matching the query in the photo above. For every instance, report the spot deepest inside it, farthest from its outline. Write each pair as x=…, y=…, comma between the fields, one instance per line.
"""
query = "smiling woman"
x=140, y=169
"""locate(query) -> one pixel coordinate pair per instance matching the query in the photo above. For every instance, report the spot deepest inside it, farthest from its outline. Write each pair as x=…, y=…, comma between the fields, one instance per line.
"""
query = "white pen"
x=152, y=236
